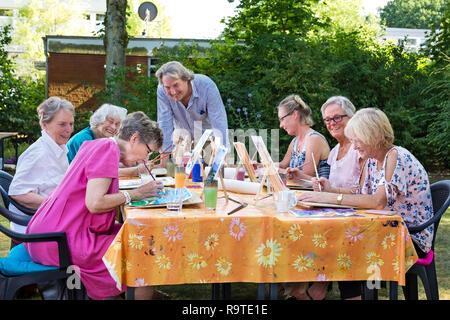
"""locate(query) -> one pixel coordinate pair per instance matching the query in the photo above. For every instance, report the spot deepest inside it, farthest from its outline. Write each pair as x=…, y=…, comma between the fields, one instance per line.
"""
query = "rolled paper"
x=238, y=186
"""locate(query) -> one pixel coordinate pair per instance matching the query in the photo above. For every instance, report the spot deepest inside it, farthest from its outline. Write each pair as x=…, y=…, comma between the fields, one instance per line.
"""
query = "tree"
x=415, y=14
x=39, y=18
x=255, y=18
x=18, y=97
x=116, y=42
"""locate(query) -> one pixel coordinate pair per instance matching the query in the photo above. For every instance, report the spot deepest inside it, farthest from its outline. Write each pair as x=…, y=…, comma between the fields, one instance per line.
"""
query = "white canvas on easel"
x=270, y=172
x=180, y=148
x=197, y=149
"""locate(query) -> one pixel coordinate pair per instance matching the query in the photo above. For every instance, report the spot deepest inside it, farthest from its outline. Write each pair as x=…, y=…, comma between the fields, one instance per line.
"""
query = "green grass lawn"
x=240, y=291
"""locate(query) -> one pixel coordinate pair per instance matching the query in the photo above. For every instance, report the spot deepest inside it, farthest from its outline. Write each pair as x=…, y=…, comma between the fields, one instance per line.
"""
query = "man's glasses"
x=335, y=119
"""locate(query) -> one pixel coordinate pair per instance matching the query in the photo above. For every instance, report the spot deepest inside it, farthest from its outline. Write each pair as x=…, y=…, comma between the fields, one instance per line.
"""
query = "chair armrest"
x=14, y=217
x=25, y=210
x=59, y=237
x=416, y=229
x=8, y=199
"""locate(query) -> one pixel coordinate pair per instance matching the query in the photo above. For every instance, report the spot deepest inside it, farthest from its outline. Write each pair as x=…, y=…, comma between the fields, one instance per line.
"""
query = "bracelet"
x=127, y=196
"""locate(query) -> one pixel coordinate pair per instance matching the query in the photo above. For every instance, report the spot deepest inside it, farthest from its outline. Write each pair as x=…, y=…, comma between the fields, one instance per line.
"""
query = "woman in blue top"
x=104, y=123
x=295, y=118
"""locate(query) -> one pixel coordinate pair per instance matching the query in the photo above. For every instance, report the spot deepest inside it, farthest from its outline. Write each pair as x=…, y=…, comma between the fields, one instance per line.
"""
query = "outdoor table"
x=5, y=135
x=256, y=245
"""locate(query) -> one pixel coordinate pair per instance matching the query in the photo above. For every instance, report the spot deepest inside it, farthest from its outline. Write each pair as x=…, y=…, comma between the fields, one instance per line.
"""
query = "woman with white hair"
x=104, y=123
x=42, y=166
x=392, y=178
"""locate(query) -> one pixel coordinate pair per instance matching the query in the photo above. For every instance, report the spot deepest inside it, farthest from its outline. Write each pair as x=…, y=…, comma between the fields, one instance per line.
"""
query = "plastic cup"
x=174, y=200
x=180, y=177
x=210, y=195
x=240, y=174
x=284, y=201
x=283, y=178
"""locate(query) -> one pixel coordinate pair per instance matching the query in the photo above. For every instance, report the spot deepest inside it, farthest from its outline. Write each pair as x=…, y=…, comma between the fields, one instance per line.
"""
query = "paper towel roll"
x=238, y=186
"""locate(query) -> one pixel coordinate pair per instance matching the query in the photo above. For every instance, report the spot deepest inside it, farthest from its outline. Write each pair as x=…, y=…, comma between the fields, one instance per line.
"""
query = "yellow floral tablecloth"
x=256, y=245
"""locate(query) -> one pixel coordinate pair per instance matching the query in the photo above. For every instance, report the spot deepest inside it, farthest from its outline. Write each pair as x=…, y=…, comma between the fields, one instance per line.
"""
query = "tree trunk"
x=115, y=42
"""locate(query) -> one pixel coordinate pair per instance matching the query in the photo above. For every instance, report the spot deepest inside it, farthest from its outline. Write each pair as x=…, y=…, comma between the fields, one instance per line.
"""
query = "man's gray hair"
x=175, y=70
x=107, y=110
x=346, y=105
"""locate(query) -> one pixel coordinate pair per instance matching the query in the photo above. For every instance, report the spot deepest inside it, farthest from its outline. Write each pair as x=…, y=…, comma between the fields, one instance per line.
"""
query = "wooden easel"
x=245, y=161
x=270, y=172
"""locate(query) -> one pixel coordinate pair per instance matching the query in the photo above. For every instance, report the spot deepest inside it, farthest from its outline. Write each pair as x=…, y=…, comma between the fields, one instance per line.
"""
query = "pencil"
x=315, y=168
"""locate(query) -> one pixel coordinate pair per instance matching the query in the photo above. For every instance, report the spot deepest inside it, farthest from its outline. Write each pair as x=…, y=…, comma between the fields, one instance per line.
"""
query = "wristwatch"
x=339, y=198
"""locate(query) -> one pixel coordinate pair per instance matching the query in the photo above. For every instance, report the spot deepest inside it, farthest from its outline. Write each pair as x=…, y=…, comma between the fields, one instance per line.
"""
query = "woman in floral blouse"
x=392, y=178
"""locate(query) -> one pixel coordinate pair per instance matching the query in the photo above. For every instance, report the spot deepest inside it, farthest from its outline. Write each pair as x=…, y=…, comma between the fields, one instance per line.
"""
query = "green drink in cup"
x=210, y=194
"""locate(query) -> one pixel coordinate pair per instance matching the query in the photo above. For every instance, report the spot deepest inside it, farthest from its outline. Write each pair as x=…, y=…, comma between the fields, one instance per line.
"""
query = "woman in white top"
x=42, y=166
x=345, y=169
x=344, y=160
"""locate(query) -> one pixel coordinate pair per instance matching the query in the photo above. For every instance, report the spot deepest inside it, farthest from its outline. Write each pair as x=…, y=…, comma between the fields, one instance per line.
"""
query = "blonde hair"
x=372, y=127
x=294, y=102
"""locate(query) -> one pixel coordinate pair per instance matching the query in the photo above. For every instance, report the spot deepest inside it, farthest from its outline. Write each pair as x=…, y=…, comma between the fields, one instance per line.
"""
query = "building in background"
x=412, y=39
x=76, y=65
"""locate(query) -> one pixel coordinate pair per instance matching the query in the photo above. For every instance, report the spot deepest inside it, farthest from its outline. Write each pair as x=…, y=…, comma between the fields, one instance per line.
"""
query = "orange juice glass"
x=180, y=176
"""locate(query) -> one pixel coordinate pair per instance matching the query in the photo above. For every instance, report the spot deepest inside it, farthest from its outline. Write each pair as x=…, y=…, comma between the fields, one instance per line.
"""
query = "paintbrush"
x=315, y=168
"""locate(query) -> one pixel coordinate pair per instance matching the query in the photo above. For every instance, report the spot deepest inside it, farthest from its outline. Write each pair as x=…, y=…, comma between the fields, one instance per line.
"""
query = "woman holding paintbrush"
x=308, y=148
x=345, y=169
x=391, y=179
x=85, y=202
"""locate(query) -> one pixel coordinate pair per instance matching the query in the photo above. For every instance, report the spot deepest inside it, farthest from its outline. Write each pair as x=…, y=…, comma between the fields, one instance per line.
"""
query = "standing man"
x=188, y=101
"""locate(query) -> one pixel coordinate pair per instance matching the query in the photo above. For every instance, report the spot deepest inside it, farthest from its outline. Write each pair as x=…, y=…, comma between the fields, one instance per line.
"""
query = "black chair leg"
x=410, y=289
x=426, y=285
x=368, y=294
x=432, y=280
x=393, y=290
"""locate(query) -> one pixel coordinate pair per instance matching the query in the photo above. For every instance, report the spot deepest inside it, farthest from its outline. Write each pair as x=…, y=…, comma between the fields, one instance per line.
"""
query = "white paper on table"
x=239, y=186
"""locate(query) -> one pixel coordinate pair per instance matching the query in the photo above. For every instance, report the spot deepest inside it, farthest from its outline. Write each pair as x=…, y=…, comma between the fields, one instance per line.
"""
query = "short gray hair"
x=175, y=70
x=346, y=105
x=148, y=130
x=107, y=110
x=48, y=108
